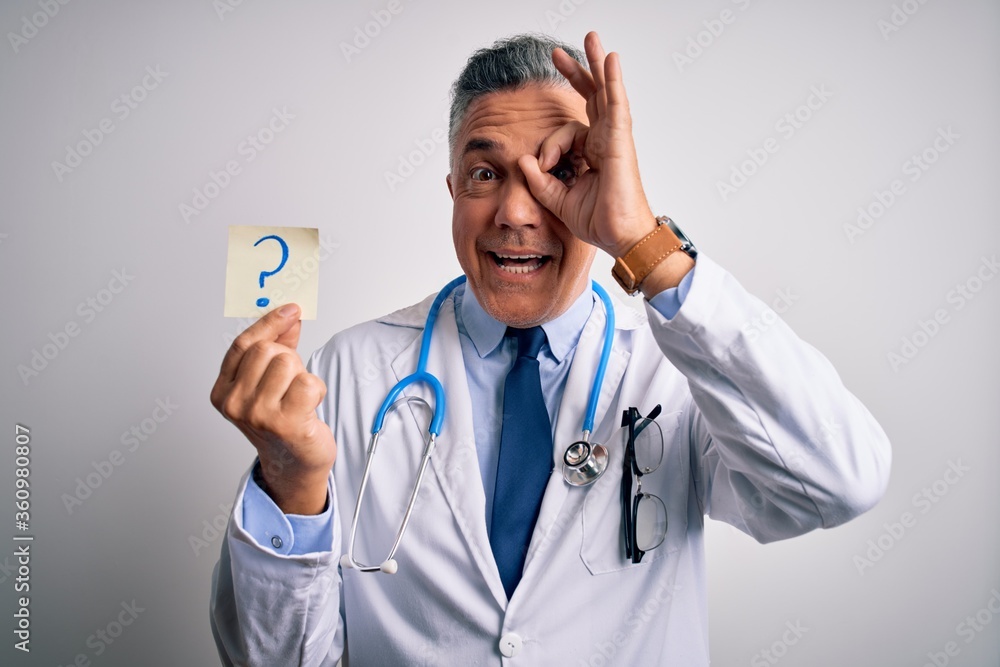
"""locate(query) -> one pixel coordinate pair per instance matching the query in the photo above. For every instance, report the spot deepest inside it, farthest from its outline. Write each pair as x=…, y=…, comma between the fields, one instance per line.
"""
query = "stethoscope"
x=583, y=461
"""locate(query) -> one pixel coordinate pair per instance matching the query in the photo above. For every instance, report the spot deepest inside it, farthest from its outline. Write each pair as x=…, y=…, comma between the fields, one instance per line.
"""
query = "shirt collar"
x=562, y=334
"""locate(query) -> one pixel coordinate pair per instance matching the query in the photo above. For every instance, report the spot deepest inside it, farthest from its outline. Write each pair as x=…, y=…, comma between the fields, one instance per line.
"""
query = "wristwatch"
x=645, y=255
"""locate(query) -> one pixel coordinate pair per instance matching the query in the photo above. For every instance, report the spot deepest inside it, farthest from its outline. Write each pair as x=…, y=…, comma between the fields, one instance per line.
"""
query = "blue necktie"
x=525, y=460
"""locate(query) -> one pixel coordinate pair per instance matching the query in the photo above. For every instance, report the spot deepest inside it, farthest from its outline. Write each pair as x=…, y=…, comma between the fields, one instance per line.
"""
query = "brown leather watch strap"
x=640, y=261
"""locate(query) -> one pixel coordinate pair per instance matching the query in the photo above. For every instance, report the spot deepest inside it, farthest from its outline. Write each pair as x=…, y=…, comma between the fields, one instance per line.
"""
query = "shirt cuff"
x=670, y=300
x=285, y=534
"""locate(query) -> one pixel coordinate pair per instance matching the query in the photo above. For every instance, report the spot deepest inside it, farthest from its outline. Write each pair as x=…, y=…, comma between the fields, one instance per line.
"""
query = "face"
x=523, y=264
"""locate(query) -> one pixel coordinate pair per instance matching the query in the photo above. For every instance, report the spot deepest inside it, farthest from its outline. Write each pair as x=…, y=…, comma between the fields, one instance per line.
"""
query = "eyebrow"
x=479, y=144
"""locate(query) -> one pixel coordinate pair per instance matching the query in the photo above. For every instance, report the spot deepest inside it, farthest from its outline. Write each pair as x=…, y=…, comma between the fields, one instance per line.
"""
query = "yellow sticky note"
x=269, y=267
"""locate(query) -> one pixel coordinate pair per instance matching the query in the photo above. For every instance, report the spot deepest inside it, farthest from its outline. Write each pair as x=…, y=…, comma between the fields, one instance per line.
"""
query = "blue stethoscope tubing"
x=421, y=374
x=389, y=565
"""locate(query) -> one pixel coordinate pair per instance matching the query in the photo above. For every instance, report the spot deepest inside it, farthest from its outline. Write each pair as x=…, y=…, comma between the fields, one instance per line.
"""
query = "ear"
x=447, y=179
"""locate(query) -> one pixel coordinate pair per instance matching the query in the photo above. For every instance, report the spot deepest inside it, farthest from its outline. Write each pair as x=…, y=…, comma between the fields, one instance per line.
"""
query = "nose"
x=518, y=207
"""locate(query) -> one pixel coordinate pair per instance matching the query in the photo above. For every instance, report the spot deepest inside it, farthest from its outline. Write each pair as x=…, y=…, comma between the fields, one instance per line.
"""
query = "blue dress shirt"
x=488, y=358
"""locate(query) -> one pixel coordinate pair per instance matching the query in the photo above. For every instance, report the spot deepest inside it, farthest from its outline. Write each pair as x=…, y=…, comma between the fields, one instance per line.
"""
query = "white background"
x=63, y=236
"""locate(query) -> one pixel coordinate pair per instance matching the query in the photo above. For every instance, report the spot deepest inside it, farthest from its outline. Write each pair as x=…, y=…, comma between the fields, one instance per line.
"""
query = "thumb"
x=544, y=187
x=289, y=326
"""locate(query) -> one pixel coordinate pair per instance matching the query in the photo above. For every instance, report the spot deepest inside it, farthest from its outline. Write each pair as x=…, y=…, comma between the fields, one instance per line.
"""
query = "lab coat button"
x=276, y=542
x=510, y=645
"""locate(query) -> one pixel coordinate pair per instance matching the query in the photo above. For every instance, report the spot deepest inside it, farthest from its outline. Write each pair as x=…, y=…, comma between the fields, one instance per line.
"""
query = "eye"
x=565, y=172
x=482, y=174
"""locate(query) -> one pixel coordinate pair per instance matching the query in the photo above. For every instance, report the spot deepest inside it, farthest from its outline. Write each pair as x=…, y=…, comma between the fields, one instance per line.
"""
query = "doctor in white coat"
x=758, y=429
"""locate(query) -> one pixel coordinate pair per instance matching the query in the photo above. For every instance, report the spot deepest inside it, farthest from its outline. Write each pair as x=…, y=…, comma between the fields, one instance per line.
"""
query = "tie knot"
x=529, y=341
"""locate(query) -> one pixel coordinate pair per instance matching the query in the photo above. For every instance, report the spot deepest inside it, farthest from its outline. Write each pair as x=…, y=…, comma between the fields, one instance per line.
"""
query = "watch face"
x=687, y=246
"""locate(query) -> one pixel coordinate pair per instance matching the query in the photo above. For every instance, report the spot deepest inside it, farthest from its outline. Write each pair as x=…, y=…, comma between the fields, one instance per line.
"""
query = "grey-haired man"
x=543, y=175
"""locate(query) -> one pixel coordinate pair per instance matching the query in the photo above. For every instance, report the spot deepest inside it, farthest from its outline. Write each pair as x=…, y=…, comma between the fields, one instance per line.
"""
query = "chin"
x=519, y=320
x=515, y=308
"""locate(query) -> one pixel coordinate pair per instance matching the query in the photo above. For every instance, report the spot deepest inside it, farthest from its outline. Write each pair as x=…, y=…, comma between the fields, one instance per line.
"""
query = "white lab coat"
x=759, y=431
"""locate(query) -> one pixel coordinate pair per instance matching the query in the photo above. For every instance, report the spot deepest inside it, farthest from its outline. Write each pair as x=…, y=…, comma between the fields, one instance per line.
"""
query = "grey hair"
x=510, y=63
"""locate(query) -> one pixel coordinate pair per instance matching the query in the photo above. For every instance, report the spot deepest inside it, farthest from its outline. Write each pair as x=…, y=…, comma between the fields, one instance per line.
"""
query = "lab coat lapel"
x=562, y=502
x=455, y=462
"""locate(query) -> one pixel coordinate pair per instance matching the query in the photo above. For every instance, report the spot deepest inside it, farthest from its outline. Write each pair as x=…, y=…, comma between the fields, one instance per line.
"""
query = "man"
x=503, y=559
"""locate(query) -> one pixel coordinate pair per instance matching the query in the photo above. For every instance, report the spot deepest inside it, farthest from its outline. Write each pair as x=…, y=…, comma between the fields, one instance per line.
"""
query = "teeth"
x=523, y=268
x=525, y=265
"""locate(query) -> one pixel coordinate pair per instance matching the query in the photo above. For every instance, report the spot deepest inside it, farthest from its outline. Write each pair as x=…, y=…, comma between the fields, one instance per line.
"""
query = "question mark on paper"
x=263, y=301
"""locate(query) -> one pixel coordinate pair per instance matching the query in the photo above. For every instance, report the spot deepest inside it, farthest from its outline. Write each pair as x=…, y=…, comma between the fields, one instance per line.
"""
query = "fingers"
x=235, y=398
x=286, y=395
x=575, y=73
x=304, y=394
x=287, y=387
x=593, y=85
x=580, y=79
x=569, y=138
x=281, y=325
x=274, y=382
x=290, y=338
x=249, y=357
x=546, y=188
x=266, y=392
x=596, y=57
x=617, y=101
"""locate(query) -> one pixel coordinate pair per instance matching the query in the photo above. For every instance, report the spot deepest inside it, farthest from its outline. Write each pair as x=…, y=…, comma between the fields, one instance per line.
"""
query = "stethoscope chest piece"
x=584, y=462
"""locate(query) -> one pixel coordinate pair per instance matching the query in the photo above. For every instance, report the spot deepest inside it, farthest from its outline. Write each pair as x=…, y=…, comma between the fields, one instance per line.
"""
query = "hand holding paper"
x=265, y=391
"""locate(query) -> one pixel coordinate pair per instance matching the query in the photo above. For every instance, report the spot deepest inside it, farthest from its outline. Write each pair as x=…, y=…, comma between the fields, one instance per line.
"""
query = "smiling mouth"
x=519, y=263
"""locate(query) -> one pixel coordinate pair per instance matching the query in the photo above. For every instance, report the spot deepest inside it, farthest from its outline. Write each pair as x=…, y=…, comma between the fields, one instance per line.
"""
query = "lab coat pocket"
x=603, y=548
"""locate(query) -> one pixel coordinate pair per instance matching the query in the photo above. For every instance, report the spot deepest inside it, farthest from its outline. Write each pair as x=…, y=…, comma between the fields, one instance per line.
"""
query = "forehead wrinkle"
x=498, y=113
x=548, y=113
